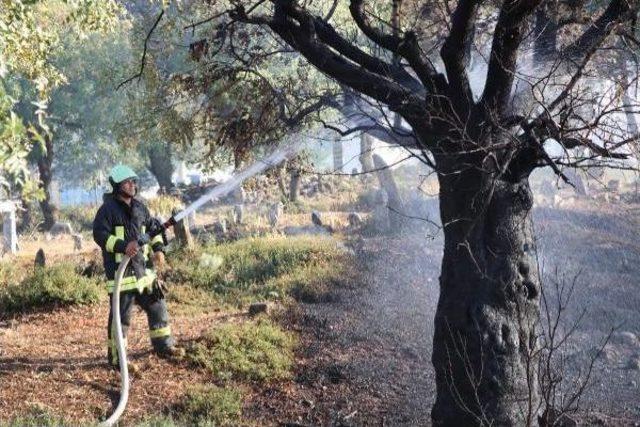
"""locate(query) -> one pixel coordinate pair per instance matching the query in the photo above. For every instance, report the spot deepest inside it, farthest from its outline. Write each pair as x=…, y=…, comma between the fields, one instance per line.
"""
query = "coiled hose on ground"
x=122, y=351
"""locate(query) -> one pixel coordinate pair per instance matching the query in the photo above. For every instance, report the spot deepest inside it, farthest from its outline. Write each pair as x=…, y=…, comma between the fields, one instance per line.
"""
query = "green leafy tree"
x=33, y=34
x=483, y=144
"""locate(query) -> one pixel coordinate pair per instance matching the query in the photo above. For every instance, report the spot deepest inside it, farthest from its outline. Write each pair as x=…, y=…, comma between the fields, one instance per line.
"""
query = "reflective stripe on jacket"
x=117, y=224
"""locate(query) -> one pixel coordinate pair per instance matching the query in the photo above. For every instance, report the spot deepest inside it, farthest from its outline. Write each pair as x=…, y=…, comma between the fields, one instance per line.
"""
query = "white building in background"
x=185, y=175
x=9, y=241
x=54, y=190
x=180, y=176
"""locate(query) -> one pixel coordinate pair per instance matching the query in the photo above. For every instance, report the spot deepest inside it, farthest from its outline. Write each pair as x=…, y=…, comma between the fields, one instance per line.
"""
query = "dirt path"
x=364, y=356
x=56, y=362
x=375, y=340
x=370, y=352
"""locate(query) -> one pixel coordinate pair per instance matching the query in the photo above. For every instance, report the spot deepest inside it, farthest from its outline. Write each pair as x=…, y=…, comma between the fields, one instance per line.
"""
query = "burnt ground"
x=376, y=340
x=602, y=253
x=373, y=340
x=365, y=351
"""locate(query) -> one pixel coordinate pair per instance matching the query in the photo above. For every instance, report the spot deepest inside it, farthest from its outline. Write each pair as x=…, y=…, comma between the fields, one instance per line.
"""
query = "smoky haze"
x=587, y=252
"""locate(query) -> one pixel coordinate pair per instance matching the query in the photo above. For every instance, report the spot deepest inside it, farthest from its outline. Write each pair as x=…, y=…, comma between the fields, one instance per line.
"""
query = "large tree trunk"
x=394, y=201
x=489, y=304
x=338, y=161
x=280, y=173
x=26, y=215
x=160, y=165
x=294, y=185
x=366, y=150
x=45, y=161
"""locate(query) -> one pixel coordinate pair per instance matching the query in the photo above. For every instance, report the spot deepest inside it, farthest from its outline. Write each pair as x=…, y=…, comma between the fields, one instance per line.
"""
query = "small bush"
x=36, y=416
x=80, y=217
x=189, y=300
x=258, y=351
x=159, y=421
x=258, y=267
x=9, y=274
x=58, y=285
x=314, y=287
x=163, y=206
x=211, y=406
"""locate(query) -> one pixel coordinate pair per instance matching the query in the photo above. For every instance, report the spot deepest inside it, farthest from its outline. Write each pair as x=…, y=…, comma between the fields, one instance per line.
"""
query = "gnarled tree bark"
x=489, y=304
x=160, y=164
x=483, y=153
x=45, y=162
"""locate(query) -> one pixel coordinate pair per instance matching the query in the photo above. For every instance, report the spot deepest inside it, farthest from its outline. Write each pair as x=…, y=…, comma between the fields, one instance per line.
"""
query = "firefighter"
x=118, y=224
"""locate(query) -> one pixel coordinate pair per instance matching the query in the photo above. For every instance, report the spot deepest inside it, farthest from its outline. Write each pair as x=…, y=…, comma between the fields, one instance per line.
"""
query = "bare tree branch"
x=508, y=35
x=298, y=29
x=617, y=12
x=454, y=48
x=407, y=47
x=144, y=52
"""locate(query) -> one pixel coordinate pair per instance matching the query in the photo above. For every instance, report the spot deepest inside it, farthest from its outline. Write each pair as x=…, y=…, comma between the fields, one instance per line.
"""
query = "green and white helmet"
x=121, y=173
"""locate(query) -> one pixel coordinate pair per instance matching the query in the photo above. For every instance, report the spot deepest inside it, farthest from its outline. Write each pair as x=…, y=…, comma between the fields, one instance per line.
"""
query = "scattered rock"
x=257, y=308
x=61, y=228
x=355, y=220
x=624, y=338
x=316, y=219
x=553, y=417
x=77, y=242
x=634, y=363
x=40, y=260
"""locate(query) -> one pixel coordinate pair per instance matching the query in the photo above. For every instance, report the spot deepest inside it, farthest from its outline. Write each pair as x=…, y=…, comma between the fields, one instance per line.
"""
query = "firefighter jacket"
x=115, y=225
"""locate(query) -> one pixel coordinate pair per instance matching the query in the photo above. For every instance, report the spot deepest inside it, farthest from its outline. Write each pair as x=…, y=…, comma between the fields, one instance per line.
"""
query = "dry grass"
x=54, y=363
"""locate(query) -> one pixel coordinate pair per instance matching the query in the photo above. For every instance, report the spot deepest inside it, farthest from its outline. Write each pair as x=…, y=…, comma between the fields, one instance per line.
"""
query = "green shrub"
x=257, y=350
x=159, y=421
x=81, y=217
x=58, y=285
x=211, y=406
x=163, y=206
x=313, y=286
x=261, y=268
x=36, y=416
x=9, y=274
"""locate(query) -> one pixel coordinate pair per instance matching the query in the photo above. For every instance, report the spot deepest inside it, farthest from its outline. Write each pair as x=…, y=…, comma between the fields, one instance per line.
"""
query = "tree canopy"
x=483, y=111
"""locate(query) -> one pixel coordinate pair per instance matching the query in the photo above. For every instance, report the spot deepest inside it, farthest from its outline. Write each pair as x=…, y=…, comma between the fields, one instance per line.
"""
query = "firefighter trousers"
x=155, y=308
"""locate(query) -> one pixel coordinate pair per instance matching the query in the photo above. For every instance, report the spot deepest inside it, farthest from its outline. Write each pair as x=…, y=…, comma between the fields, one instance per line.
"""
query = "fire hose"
x=122, y=350
x=219, y=191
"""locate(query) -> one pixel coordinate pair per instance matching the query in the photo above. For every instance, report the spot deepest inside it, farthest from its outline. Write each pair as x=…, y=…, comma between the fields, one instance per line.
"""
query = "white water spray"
x=274, y=159
x=236, y=180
